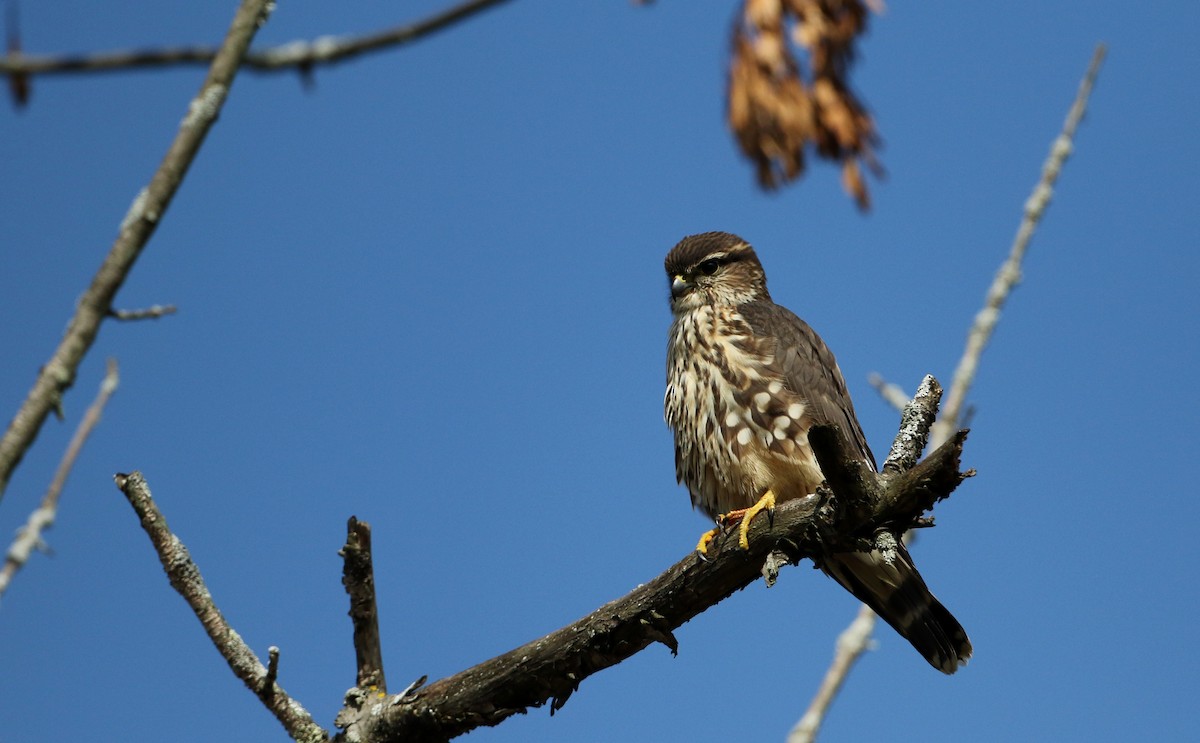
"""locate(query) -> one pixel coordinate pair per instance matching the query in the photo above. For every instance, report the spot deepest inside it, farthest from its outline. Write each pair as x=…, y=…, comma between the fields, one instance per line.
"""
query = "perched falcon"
x=746, y=379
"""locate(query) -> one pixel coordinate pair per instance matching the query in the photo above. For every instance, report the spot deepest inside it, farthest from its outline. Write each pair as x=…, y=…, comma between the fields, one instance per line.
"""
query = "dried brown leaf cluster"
x=776, y=110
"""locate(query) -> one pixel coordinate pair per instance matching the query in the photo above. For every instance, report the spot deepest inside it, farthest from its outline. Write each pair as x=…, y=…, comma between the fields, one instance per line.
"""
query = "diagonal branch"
x=1009, y=274
x=29, y=537
x=301, y=55
x=847, y=652
x=186, y=579
x=550, y=669
x=58, y=374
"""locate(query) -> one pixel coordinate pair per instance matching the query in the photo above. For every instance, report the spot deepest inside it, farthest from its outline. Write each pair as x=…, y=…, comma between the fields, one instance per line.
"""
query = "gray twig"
x=58, y=374
x=272, y=666
x=806, y=729
x=185, y=578
x=296, y=55
x=892, y=394
x=1009, y=274
x=29, y=537
x=147, y=313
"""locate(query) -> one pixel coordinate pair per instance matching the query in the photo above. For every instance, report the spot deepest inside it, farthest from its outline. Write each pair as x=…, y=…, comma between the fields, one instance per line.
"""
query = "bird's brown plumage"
x=746, y=379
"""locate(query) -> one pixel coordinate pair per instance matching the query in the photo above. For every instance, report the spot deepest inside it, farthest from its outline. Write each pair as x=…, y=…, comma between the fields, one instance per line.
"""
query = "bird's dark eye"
x=710, y=266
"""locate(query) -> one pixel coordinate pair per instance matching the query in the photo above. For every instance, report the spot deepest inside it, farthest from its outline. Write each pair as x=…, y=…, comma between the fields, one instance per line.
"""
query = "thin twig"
x=58, y=374
x=146, y=313
x=985, y=322
x=853, y=642
x=272, y=666
x=185, y=578
x=296, y=55
x=892, y=394
x=29, y=537
x=1009, y=274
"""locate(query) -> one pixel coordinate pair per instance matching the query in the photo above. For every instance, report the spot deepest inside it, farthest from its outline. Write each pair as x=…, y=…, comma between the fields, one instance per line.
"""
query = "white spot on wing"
x=795, y=410
x=744, y=436
x=761, y=400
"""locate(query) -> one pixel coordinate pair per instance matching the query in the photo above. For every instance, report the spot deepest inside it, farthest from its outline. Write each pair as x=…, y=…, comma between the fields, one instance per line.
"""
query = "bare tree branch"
x=185, y=578
x=916, y=419
x=296, y=55
x=1010, y=271
x=550, y=669
x=851, y=643
x=358, y=576
x=29, y=537
x=806, y=729
x=58, y=374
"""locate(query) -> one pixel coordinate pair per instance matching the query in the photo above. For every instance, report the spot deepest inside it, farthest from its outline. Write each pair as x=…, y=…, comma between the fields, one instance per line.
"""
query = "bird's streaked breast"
x=738, y=430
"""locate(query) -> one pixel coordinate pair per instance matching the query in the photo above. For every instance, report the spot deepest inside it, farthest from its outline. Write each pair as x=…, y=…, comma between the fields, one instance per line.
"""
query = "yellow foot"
x=746, y=515
x=742, y=515
x=706, y=539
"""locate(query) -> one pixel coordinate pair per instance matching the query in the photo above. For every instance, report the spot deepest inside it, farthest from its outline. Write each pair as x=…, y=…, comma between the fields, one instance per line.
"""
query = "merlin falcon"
x=746, y=379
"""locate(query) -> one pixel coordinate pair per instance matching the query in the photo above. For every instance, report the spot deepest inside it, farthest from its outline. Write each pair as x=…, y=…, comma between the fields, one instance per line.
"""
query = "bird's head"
x=714, y=268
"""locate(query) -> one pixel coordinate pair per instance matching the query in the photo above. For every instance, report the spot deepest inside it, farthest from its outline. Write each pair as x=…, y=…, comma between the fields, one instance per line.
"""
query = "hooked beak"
x=679, y=287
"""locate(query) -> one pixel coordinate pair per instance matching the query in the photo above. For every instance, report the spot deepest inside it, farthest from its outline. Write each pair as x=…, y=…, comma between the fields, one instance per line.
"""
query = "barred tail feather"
x=895, y=591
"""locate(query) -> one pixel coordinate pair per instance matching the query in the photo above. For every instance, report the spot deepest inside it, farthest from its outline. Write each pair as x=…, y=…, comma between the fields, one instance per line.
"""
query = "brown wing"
x=808, y=369
x=889, y=584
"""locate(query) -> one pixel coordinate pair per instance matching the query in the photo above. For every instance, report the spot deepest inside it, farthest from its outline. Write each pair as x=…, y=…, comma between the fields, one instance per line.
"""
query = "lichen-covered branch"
x=916, y=419
x=185, y=578
x=29, y=537
x=550, y=669
x=58, y=374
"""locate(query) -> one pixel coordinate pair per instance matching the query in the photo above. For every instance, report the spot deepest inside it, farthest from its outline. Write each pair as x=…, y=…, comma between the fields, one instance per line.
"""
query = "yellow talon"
x=765, y=503
x=744, y=515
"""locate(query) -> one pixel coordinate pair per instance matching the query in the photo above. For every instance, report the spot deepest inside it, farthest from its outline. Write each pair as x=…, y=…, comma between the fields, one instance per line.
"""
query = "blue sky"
x=429, y=293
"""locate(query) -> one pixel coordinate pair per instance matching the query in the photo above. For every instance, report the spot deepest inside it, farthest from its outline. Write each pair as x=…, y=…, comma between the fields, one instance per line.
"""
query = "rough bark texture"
x=358, y=576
